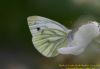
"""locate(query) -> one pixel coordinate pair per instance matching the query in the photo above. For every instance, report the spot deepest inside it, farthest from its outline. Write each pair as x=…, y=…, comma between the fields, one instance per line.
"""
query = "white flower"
x=85, y=34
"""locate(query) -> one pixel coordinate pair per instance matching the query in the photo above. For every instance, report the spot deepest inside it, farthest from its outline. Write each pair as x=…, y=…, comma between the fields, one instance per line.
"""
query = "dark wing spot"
x=38, y=28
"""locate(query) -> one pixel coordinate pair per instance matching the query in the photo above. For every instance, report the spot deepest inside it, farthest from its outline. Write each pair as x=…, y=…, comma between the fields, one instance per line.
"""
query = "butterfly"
x=51, y=38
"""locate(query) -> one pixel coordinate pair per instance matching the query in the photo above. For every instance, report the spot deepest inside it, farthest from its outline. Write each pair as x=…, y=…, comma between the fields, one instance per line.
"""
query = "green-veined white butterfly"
x=51, y=38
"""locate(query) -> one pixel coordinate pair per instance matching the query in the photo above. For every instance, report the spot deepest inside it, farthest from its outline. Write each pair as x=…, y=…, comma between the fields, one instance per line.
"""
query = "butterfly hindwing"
x=48, y=43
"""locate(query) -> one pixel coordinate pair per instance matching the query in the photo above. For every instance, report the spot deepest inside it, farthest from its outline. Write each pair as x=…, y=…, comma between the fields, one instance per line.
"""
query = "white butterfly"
x=51, y=38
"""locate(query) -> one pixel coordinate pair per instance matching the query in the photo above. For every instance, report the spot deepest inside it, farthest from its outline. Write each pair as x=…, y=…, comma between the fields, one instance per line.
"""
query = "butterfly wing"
x=47, y=35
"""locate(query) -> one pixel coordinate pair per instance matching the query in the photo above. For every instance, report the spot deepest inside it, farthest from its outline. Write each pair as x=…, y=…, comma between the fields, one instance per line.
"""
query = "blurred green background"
x=16, y=48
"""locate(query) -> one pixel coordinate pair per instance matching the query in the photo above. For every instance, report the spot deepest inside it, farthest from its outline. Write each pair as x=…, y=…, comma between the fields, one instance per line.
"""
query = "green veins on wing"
x=47, y=41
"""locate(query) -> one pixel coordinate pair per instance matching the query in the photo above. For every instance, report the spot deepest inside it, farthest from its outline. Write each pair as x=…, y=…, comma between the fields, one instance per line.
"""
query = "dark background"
x=16, y=48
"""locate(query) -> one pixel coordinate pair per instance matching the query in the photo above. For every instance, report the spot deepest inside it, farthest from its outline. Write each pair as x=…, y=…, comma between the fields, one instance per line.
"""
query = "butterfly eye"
x=38, y=28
